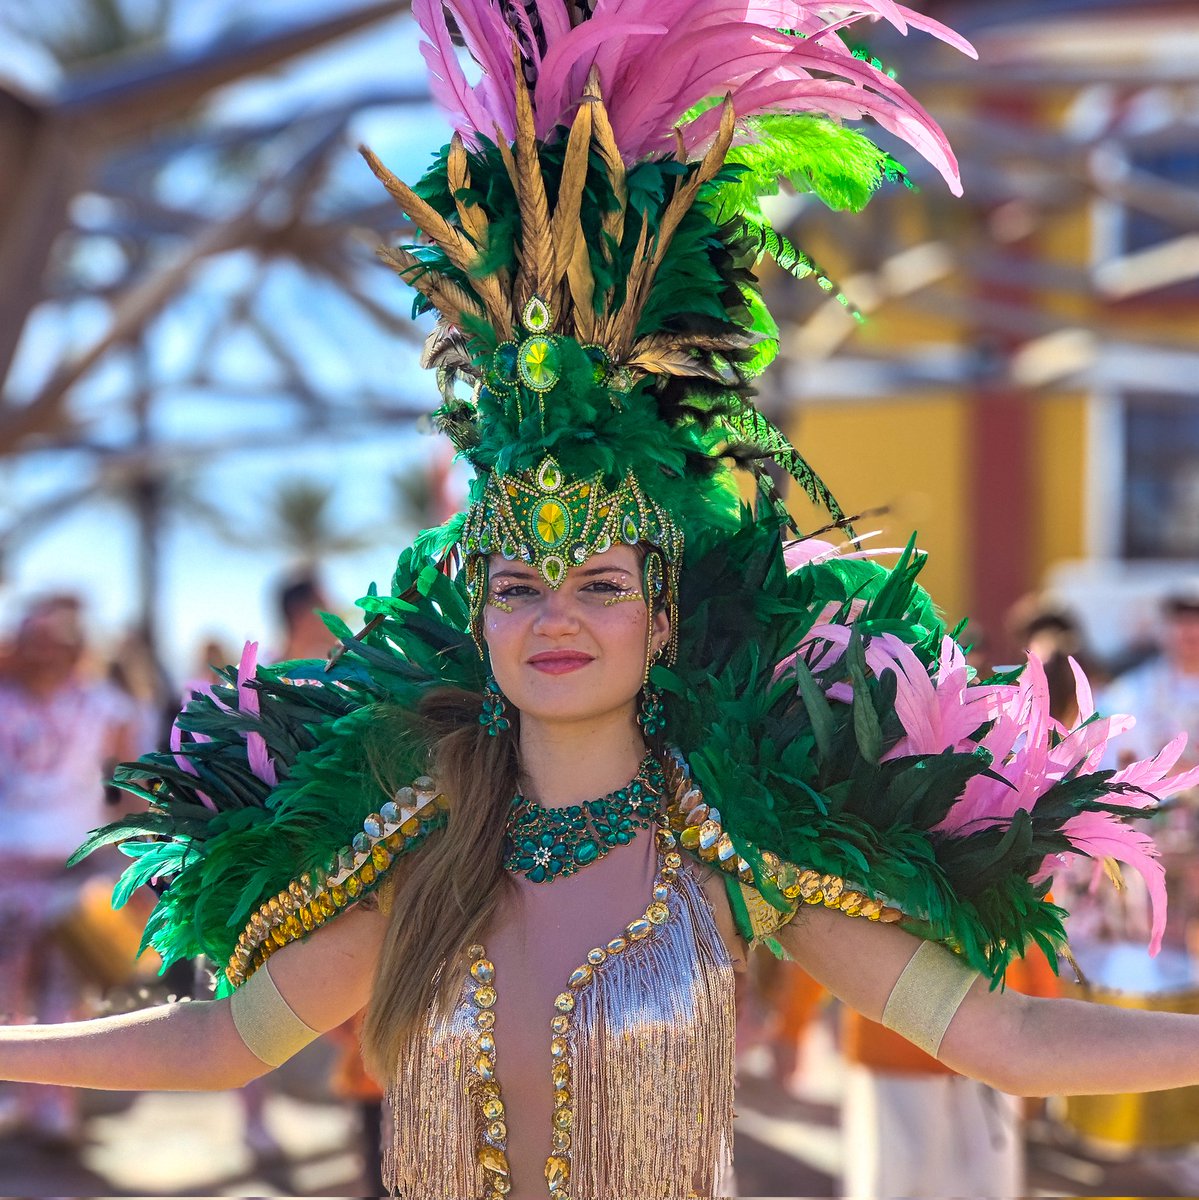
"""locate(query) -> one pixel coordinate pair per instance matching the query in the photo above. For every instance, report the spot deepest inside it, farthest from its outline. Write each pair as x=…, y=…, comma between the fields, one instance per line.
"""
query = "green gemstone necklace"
x=544, y=844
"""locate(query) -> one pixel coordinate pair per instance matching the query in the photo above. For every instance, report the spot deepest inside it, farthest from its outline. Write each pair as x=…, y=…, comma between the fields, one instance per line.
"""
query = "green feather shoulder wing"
x=270, y=813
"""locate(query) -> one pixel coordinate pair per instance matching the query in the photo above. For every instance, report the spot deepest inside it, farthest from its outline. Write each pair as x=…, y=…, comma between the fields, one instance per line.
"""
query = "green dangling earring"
x=492, y=717
x=652, y=716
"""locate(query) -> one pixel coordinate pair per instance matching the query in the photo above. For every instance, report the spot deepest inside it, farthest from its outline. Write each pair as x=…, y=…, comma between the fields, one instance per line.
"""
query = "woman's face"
x=577, y=653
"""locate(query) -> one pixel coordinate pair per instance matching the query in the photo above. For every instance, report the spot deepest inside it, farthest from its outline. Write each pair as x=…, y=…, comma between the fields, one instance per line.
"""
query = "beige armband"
x=928, y=992
x=265, y=1021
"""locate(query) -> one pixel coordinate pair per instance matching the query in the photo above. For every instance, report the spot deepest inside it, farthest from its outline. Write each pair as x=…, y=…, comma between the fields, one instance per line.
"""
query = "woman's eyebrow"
x=589, y=571
x=512, y=573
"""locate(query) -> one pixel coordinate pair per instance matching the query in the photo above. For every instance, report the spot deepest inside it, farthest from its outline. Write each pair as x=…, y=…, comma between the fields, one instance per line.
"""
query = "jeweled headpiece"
x=593, y=230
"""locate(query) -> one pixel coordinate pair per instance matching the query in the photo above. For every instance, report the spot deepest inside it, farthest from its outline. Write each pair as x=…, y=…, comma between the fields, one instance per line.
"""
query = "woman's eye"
x=512, y=592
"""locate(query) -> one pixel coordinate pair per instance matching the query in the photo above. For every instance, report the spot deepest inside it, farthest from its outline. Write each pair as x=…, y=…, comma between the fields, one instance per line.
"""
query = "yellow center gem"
x=551, y=522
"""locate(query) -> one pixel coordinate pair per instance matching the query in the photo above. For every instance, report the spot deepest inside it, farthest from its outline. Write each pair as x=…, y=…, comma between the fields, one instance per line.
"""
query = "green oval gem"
x=539, y=363
x=585, y=852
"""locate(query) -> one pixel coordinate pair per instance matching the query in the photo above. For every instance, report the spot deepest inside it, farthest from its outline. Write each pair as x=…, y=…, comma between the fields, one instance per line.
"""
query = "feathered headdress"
x=592, y=235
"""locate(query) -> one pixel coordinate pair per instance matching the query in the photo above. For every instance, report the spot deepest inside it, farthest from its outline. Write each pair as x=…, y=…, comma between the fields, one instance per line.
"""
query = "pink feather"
x=185, y=764
x=247, y=698
x=1102, y=835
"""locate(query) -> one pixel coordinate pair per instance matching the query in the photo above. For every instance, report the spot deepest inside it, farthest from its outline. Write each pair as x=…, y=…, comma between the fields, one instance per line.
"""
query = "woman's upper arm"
x=857, y=960
x=328, y=977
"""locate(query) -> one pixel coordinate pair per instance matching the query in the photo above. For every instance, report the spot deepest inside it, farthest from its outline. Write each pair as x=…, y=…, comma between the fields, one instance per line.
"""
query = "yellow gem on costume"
x=557, y=1172
x=487, y=1043
x=673, y=861
x=561, y=1097
x=638, y=929
x=551, y=522
x=367, y=874
x=483, y=971
x=558, y=1048
x=616, y=945
x=658, y=912
x=580, y=976
x=560, y=1140
x=497, y=1131
x=380, y=858
x=353, y=886
x=491, y=1158
x=560, y=1025
x=563, y=1118
x=596, y=956
x=475, y=951
x=493, y=1109
x=690, y=837
x=293, y=928
x=564, y=1002
x=560, y=1074
x=485, y=997
x=485, y=1020
x=485, y=1067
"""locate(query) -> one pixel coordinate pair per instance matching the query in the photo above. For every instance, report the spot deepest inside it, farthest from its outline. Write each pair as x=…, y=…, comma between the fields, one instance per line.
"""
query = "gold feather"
x=449, y=299
x=641, y=275
x=615, y=340
x=457, y=249
x=582, y=290
x=565, y=229
x=473, y=218
x=604, y=139
x=536, y=242
x=680, y=362
x=719, y=342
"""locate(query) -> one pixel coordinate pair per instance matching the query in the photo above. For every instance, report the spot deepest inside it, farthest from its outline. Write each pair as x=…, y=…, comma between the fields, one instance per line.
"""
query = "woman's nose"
x=556, y=614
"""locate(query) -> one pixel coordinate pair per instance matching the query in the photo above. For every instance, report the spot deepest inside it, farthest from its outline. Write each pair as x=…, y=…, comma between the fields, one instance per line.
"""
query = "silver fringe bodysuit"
x=640, y=1057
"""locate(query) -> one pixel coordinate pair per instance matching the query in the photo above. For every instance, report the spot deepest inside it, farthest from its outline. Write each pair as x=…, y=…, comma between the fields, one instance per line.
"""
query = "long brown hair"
x=445, y=895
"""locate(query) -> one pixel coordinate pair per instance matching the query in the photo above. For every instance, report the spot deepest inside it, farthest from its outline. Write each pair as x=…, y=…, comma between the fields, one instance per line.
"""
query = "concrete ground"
x=788, y=1144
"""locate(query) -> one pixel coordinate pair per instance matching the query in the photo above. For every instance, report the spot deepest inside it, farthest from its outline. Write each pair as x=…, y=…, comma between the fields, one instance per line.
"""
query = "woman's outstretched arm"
x=195, y=1046
x=1019, y=1044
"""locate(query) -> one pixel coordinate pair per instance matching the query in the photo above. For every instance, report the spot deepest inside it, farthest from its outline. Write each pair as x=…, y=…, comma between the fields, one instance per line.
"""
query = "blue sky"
x=211, y=588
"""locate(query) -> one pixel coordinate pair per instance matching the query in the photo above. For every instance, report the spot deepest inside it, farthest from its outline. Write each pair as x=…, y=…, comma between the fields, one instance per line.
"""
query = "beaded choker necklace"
x=543, y=844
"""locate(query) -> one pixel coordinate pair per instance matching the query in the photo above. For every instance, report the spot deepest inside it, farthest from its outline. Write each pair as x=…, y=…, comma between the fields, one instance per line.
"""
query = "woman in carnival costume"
x=612, y=726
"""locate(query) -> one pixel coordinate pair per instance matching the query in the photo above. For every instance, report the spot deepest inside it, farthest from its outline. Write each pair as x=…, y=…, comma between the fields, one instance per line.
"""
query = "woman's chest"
x=595, y=1021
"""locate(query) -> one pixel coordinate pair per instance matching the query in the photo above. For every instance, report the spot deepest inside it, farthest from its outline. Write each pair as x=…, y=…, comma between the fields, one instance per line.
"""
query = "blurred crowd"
x=69, y=713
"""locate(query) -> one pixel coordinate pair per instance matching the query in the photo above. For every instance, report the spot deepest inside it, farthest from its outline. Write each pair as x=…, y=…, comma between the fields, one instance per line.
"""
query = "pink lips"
x=559, y=662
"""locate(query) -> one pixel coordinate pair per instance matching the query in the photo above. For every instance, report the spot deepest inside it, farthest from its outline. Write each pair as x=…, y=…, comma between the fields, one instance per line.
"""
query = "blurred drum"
x=1123, y=974
x=101, y=942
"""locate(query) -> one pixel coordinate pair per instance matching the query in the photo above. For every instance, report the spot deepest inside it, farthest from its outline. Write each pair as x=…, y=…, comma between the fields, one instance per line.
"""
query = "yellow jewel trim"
x=483, y=1086
x=308, y=902
x=558, y=1163
x=700, y=830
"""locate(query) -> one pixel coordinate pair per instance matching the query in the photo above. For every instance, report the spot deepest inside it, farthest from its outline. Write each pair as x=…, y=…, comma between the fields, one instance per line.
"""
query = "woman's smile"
x=559, y=662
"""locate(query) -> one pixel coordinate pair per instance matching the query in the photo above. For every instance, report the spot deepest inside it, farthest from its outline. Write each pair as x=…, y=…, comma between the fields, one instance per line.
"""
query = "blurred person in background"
x=1054, y=636
x=1163, y=695
x=300, y=600
x=61, y=731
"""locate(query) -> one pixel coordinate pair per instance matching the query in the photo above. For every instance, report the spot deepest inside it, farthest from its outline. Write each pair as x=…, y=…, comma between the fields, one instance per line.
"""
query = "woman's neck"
x=568, y=765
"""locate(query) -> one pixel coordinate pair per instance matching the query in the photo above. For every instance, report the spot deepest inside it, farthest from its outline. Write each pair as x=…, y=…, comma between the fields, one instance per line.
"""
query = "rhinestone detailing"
x=543, y=844
x=356, y=870
x=701, y=833
x=649, y=1030
x=483, y=1085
